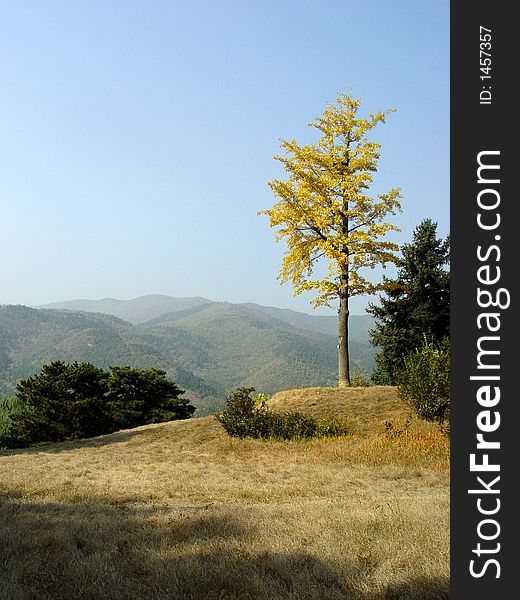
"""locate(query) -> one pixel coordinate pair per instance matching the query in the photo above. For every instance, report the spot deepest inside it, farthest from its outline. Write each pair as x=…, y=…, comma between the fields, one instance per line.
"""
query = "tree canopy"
x=324, y=212
x=72, y=401
x=417, y=303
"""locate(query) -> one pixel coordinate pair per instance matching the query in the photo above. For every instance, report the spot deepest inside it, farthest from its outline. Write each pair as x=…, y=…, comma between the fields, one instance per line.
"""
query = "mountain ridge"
x=153, y=309
x=208, y=347
x=135, y=310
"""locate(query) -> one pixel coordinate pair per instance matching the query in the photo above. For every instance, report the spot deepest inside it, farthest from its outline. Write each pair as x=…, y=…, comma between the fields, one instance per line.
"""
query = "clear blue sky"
x=137, y=136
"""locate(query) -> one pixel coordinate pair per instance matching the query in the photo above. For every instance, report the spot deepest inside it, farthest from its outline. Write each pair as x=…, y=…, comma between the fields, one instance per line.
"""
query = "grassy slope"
x=180, y=510
x=364, y=408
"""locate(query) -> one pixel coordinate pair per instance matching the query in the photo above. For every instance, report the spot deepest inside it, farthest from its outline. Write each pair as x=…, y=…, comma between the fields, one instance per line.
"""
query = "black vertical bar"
x=484, y=118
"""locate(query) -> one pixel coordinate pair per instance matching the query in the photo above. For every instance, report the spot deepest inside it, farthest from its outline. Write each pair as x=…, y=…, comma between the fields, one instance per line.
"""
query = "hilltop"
x=181, y=510
x=365, y=408
x=136, y=311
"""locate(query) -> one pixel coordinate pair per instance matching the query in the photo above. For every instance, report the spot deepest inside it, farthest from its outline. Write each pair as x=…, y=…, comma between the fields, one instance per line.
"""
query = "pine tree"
x=63, y=401
x=417, y=305
x=139, y=397
x=79, y=400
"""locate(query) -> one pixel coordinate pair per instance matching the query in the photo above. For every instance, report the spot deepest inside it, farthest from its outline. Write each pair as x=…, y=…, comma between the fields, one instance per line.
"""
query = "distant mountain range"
x=207, y=347
x=136, y=311
x=157, y=309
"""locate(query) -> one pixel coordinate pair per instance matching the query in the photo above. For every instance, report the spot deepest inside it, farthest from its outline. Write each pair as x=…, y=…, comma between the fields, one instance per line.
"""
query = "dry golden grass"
x=365, y=408
x=182, y=511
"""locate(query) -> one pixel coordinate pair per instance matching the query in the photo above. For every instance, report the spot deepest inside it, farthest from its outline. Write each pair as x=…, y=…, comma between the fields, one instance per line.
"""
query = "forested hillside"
x=157, y=309
x=208, y=348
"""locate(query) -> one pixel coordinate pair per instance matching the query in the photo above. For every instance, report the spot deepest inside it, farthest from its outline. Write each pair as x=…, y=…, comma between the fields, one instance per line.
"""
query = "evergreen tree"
x=61, y=402
x=138, y=397
x=417, y=303
x=79, y=400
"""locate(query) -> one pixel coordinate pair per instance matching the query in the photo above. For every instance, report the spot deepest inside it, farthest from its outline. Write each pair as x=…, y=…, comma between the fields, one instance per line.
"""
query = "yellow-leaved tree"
x=324, y=213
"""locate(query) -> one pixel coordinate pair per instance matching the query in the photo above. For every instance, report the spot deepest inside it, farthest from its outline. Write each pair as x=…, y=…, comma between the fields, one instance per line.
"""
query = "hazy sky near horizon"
x=137, y=136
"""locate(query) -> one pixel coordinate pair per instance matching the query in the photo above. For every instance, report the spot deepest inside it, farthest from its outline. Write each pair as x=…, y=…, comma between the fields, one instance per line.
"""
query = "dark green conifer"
x=79, y=400
x=417, y=305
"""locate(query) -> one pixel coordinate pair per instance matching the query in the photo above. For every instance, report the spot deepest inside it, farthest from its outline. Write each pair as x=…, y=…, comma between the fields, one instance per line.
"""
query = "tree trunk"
x=343, y=358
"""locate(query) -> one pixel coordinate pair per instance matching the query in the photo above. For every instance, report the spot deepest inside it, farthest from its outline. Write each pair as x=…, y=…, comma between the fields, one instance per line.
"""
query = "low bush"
x=292, y=426
x=331, y=427
x=425, y=381
x=238, y=414
x=245, y=416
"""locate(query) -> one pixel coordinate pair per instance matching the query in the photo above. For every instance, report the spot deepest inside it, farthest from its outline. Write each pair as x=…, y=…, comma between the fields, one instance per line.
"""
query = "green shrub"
x=238, y=413
x=244, y=416
x=331, y=427
x=293, y=426
x=425, y=381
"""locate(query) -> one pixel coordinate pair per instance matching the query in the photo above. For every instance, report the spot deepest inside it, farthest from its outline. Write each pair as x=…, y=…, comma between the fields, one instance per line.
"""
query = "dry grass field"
x=182, y=511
